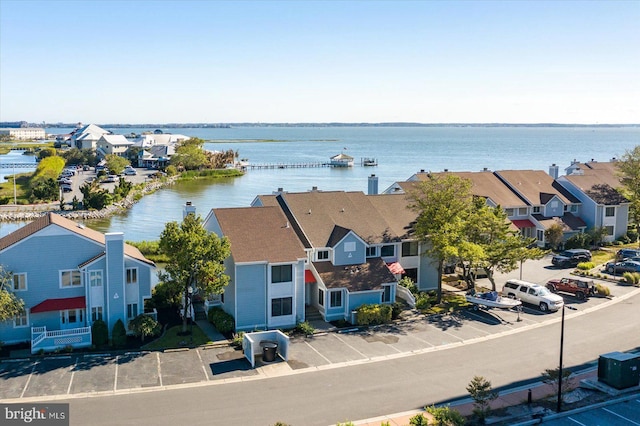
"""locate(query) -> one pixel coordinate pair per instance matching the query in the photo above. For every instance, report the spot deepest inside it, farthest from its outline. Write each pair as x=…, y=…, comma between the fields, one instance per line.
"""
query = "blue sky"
x=306, y=61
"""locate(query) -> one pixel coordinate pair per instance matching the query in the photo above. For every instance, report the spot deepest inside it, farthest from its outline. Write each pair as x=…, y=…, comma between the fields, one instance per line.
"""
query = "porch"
x=47, y=341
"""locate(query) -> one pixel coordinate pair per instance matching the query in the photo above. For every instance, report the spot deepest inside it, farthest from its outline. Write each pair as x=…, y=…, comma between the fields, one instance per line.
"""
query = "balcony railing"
x=41, y=339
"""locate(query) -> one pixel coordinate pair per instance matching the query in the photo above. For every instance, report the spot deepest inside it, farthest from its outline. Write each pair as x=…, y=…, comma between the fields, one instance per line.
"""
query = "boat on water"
x=369, y=162
x=341, y=160
x=491, y=299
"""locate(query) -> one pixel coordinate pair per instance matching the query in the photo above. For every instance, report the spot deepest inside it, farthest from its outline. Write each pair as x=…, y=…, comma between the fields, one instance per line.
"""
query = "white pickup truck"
x=533, y=294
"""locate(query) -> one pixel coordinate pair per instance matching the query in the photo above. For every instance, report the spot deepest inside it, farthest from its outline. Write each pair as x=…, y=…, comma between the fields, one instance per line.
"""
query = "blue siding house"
x=69, y=276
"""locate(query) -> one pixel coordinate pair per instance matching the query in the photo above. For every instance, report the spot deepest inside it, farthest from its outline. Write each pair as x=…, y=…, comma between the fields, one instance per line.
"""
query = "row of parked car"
x=627, y=260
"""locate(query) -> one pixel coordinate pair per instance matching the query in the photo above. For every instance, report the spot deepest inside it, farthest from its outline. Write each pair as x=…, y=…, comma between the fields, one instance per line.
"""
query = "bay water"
x=400, y=152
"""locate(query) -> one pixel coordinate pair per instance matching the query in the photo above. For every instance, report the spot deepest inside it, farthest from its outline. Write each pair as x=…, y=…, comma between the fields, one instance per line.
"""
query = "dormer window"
x=372, y=251
x=536, y=210
x=323, y=254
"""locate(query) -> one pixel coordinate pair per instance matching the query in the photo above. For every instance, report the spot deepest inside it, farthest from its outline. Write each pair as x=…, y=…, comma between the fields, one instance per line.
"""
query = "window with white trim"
x=95, y=278
x=96, y=313
x=609, y=230
x=386, y=297
x=372, y=251
x=132, y=310
x=71, y=316
x=536, y=209
x=609, y=211
x=19, y=281
x=387, y=251
x=350, y=246
x=320, y=297
x=70, y=279
x=21, y=320
x=336, y=299
x=522, y=211
x=281, y=273
x=509, y=212
x=410, y=248
x=132, y=275
x=281, y=306
x=323, y=254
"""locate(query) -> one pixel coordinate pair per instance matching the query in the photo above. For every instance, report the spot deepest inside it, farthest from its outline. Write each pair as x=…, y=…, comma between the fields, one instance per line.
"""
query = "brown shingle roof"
x=535, y=186
x=373, y=219
x=569, y=222
x=259, y=234
x=599, y=181
x=50, y=219
x=366, y=276
x=486, y=184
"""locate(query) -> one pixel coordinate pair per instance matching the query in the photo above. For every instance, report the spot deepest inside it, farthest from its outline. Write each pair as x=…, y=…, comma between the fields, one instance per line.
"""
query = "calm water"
x=400, y=151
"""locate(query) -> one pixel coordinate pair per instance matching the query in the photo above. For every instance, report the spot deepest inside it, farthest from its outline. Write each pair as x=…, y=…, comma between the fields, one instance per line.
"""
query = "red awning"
x=59, y=304
x=523, y=223
x=395, y=268
x=308, y=277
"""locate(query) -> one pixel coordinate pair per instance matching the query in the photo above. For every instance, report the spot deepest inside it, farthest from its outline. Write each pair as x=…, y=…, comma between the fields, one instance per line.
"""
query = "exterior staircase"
x=199, y=311
x=312, y=314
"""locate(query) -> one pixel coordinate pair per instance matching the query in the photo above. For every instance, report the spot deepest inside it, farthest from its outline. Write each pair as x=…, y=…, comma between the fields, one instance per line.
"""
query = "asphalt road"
x=327, y=396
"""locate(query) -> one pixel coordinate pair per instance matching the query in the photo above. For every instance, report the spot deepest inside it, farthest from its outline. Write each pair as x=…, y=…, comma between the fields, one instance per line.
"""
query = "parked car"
x=70, y=170
x=623, y=254
x=622, y=267
x=130, y=171
x=580, y=288
x=110, y=179
x=65, y=180
x=66, y=187
x=534, y=294
x=571, y=257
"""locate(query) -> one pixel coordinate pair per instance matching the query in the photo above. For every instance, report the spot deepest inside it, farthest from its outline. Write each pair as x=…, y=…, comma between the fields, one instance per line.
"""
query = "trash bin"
x=269, y=351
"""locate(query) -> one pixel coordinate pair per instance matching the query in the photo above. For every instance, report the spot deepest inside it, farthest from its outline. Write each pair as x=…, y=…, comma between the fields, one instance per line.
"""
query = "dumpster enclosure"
x=269, y=344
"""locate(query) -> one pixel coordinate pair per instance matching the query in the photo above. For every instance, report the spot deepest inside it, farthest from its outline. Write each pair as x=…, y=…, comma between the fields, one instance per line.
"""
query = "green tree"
x=143, y=325
x=189, y=155
x=45, y=189
x=195, y=259
x=553, y=235
x=119, y=334
x=95, y=197
x=480, y=390
x=10, y=305
x=46, y=152
x=116, y=164
x=76, y=156
x=629, y=172
x=501, y=249
x=49, y=168
x=443, y=204
x=445, y=416
x=99, y=333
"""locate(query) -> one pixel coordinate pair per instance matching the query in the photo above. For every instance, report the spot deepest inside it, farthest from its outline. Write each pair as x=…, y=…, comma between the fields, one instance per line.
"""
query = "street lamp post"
x=559, y=406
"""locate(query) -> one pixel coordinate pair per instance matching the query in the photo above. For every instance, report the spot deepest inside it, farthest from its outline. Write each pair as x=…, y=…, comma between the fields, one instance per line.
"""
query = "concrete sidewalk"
x=515, y=398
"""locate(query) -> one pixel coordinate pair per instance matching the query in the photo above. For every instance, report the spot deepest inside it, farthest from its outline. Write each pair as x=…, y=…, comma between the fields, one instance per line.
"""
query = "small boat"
x=491, y=299
x=369, y=162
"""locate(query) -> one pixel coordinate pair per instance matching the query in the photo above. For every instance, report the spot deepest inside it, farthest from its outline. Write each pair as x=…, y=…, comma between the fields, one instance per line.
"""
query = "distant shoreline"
x=329, y=124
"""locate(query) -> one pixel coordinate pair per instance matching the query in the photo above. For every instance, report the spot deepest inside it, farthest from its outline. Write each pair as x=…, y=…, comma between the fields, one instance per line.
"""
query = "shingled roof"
x=259, y=234
x=599, y=181
x=52, y=219
x=535, y=186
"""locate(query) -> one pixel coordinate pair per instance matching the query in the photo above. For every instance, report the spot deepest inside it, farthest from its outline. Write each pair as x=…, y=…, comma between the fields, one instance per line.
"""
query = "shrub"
x=396, y=310
x=144, y=325
x=628, y=278
x=480, y=390
x=222, y=321
x=305, y=328
x=237, y=339
x=602, y=289
x=373, y=314
x=423, y=302
x=119, y=334
x=409, y=285
x=419, y=420
x=99, y=333
x=445, y=416
x=632, y=234
x=585, y=266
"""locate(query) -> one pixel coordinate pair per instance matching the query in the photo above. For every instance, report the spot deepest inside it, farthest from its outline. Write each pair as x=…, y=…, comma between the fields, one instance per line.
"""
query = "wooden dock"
x=286, y=165
x=18, y=165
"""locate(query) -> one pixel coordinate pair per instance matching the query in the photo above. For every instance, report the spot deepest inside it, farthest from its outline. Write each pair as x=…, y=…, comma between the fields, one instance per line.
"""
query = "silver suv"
x=534, y=294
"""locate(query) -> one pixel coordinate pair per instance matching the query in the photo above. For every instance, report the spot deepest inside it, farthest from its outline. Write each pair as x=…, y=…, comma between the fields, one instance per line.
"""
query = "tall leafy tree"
x=116, y=164
x=629, y=171
x=502, y=249
x=553, y=235
x=195, y=260
x=443, y=204
x=10, y=305
x=189, y=155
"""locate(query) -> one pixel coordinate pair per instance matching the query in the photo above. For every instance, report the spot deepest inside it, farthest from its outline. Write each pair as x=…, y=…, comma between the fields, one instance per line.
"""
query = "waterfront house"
x=156, y=156
x=87, y=137
x=113, y=144
x=532, y=199
x=152, y=139
x=266, y=267
x=69, y=276
x=596, y=185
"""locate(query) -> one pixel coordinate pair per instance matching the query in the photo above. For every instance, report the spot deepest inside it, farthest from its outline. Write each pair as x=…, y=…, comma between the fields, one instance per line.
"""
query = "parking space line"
x=365, y=356
x=622, y=417
x=316, y=351
x=204, y=370
x=29, y=379
x=73, y=371
x=159, y=370
x=115, y=379
x=574, y=420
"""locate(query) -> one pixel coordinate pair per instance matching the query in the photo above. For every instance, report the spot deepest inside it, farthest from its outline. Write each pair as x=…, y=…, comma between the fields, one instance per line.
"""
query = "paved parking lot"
x=622, y=413
x=83, y=374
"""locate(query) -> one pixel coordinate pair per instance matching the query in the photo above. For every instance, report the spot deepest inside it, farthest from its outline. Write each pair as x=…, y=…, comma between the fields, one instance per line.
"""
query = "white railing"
x=153, y=314
x=212, y=301
x=55, y=339
x=406, y=295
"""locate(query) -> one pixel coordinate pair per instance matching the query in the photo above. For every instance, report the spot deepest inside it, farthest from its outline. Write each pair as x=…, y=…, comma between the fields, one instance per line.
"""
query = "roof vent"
x=309, y=212
x=342, y=210
x=286, y=225
x=81, y=226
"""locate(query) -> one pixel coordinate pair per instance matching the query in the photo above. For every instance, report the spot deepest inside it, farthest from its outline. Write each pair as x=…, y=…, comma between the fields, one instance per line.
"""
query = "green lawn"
x=172, y=340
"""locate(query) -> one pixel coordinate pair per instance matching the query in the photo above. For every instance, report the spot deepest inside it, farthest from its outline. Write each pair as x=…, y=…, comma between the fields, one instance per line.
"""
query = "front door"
x=72, y=318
